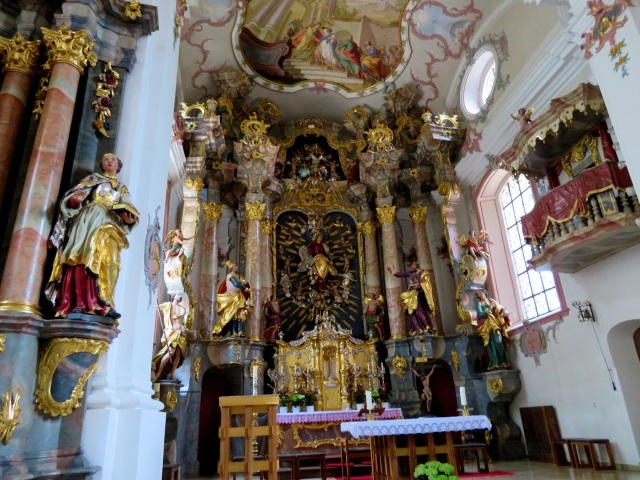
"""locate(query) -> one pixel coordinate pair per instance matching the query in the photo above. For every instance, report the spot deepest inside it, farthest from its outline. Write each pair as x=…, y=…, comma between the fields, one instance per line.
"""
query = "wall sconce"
x=585, y=312
x=9, y=415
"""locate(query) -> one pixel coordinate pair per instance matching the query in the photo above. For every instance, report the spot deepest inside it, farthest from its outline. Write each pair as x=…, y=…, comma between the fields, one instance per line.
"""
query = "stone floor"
x=544, y=471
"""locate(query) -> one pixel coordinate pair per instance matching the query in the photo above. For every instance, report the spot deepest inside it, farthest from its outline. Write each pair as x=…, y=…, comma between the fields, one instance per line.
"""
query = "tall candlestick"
x=255, y=379
x=463, y=396
x=369, y=398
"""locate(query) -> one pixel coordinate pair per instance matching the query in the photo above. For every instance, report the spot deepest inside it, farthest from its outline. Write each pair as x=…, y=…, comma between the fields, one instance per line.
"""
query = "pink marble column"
x=393, y=288
x=255, y=213
x=419, y=219
x=22, y=279
x=209, y=270
x=266, y=229
x=372, y=264
x=21, y=58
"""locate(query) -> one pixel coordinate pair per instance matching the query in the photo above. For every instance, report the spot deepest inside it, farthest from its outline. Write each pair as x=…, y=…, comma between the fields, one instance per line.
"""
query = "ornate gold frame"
x=295, y=430
x=56, y=350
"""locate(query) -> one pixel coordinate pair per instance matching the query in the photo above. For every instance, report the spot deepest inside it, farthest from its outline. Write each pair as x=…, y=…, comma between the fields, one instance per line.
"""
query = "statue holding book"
x=95, y=218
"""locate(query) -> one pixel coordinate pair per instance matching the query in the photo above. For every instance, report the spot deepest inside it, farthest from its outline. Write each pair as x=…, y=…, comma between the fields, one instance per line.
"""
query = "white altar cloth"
x=415, y=425
x=333, y=416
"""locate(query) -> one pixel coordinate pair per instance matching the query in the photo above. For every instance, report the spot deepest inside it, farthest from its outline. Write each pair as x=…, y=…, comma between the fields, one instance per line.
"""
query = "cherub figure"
x=475, y=245
x=174, y=244
x=523, y=117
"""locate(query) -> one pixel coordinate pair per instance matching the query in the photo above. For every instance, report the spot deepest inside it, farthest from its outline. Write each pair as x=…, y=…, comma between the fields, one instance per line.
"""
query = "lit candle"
x=255, y=379
x=381, y=367
x=369, y=399
x=463, y=396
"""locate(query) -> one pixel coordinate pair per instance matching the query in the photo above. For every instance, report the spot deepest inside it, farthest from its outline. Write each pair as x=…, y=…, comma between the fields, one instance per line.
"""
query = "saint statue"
x=418, y=300
x=373, y=316
x=233, y=302
x=95, y=218
x=493, y=321
x=316, y=260
x=272, y=314
x=174, y=343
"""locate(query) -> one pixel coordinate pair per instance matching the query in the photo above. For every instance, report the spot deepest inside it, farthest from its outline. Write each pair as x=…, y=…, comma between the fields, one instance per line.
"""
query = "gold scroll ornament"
x=10, y=414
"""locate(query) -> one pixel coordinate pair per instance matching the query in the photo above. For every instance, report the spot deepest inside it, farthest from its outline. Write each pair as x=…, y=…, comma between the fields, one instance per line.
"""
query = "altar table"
x=334, y=416
x=383, y=433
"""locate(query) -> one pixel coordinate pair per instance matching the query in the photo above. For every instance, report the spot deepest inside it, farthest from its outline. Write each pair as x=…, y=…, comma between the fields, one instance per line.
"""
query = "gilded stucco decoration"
x=331, y=437
x=66, y=46
x=368, y=228
x=212, y=212
x=80, y=357
x=418, y=214
x=258, y=363
x=10, y=414
x=455, y=360
x=105, y=91
x=171, y=400
x=495, y=385
x=255, y=211
x=3, y=342
x=132, y=10
x=197, y=365
x=19, y=55
x=386, y=214
x=400, y=365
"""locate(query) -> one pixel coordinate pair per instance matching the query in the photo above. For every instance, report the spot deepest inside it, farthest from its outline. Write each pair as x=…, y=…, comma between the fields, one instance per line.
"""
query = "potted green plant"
x=359, y=397
x=435, y=470
x=297, y=401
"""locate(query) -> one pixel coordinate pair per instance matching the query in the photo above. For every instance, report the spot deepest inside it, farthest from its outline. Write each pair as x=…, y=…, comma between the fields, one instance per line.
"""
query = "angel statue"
x=523, y=117
x=476, y=246
x=373, y=316
x=174, y=244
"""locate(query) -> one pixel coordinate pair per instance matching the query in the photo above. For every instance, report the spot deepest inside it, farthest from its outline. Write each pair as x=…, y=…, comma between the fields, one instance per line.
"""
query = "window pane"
x=537, y=289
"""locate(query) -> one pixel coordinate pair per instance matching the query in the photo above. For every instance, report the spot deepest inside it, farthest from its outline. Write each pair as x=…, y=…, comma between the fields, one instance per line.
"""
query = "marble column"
x=69, y=54
x=393, y=288
x=21, y=59
x=255, y=213
x=418, y=216
x=372, y=264
x=209, y=270
x=266, y=229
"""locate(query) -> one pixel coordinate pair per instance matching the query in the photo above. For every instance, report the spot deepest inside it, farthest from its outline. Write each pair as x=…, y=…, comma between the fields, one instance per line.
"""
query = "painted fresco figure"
x=306, y=41
x=349, y=56
x=233, y=303
x=95, y=218
x=418, y=299
x=174, y=342
x=371, y=62
x=493, y=321
x=326, y=50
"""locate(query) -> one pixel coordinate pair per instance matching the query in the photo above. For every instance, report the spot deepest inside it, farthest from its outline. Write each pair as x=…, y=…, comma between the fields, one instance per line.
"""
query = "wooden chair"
x=476, y=449
x=589, y=446
x=349, y=456
x=559, y=454
x=248, y=406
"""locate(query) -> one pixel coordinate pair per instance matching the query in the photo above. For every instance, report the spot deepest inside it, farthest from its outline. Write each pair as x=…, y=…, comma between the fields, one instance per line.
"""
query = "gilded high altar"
x=330, y=360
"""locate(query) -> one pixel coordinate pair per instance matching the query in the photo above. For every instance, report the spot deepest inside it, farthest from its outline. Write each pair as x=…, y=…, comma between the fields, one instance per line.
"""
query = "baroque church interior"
x=213, y=209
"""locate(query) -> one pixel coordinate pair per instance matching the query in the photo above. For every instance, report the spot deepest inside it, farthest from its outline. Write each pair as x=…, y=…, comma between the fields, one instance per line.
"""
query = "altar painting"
x=352, y=47
x=318, y=270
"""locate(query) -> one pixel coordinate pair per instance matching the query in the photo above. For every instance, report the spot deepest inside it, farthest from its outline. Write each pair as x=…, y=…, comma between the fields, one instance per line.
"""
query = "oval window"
x=478, y=83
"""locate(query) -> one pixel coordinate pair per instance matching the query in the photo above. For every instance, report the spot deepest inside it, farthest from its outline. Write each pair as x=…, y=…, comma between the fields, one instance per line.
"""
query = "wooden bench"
x=319, y=459
x=589, y=445
x=559, y=454
x=348, y=456
x=476, y=449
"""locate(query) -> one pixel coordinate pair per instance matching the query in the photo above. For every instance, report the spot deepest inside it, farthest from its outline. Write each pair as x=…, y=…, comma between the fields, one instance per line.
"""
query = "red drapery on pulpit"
x=565, y=201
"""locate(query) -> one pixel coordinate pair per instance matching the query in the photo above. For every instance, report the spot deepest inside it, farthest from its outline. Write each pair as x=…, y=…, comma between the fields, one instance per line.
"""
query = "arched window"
x=537, y=289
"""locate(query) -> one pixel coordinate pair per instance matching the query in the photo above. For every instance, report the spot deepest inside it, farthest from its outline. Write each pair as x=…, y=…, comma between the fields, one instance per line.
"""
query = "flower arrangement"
x=310, y=396
x=435, y=470
x=284, y=396
x=297, y=399
x=358, y=394
x=383, y=392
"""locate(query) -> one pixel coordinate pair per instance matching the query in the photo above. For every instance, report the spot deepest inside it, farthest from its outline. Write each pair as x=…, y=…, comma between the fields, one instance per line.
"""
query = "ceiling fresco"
x=302, y=55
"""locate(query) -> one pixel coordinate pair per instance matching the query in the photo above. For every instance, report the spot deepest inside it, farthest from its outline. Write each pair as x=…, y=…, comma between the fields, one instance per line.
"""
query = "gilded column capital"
x=266, y=226
x=212, y=211
x=66, y=46
x=386, y=214
x=368, y=227
x=19, y=55
x=418, y=214
x=255, y=211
